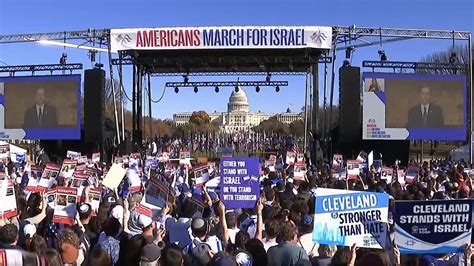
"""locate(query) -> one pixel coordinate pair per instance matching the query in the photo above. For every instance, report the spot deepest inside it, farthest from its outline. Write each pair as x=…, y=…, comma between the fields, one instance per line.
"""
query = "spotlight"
x=349, y=51
x=186, y=79
x=452, y=58
x=216, y=89
x=269, y=76
x=176, y=89
x=383, y=56
x=236, y=89
x=346, y=63
x=63, y=59
x=277, y=88
x=257, y=89
x=195, y=89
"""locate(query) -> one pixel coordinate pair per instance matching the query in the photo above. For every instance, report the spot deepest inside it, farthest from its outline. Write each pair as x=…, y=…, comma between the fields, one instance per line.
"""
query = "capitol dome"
x=238, y=102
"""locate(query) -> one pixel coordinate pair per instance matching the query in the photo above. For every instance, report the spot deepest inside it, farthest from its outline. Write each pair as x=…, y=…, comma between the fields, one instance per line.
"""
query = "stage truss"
x=344, y=37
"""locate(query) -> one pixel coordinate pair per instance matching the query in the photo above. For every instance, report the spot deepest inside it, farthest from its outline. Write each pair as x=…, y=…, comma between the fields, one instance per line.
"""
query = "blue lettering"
x=232, y=39
x=299, y=41
x=217, y=38
x=249, y=35
x=225, y=37
x=240, y=37
x=276, y=33
x=207, y=37
x=291, y=38
x=284, y=40
x=264, y=38
x=302, y=38
x=255, y=37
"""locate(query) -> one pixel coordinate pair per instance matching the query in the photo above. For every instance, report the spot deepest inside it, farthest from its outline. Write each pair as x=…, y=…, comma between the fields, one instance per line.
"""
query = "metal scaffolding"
x=38, y=68
x=90, y=35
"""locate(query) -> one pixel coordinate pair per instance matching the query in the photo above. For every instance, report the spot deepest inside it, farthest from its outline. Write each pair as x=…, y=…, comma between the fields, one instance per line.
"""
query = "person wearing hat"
x=150, y=255
x=204, y=246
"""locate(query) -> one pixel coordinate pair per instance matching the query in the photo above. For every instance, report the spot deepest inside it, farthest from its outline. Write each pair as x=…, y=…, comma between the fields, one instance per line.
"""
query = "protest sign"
x=68, y=168
x=155, y=198
x=82, y=160
x=77, y=182
x=240, y=186
x=96, y=157
x=49, y=176
x=300, y=158
x=201, y=175
x=114, y=176
x=412, y=174
x=94, y=200
x=72, y=154
x=339, y=174
x=353, y=169
x=7, y=198
x=344, y=218
x=51, y=197
x=401, y=176
x=4, y=152
x=433, y=227
x=164, y=157
x=134, y=181
x=387, y=174
x=290, y=157
x=362, y=157
x=299, y=171
x=337, y=161
x=65, y=207
x=270, y=165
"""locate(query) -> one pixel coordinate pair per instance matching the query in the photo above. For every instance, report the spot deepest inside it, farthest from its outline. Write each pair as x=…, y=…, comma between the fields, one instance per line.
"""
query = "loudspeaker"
x=94, y=97
x=349, y=104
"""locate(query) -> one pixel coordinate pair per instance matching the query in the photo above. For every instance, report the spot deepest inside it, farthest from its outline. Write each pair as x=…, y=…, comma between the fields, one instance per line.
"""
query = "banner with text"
x=431, y=227
x=240, y=186
x=233, y=37
x=345, y=217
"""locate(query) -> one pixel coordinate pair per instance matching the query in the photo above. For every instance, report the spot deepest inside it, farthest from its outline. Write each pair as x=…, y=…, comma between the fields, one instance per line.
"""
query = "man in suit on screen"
x=41, y=114
x=425, y=114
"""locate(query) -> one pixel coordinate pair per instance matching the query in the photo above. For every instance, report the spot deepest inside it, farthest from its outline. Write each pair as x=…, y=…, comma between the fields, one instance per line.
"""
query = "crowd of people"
x=278, y=231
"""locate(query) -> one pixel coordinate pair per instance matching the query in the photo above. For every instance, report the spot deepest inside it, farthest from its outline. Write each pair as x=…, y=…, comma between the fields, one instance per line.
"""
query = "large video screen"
x=40, y=107
x=414, y=107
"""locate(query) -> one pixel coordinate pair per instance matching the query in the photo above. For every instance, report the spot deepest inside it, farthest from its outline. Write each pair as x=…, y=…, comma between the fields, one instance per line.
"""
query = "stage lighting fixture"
x=349, y=51
x=195, y=89
x=277, y=88
x=346, y=63
x=257, y=88
x=186, y=79
x=383, y=56
x=236, y=89
x=176, y=89
x=269, y=76
x=216, y=89
x=452, y=58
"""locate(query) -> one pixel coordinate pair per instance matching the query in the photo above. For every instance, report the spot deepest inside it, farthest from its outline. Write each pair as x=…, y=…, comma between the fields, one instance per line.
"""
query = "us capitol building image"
x=238, y=116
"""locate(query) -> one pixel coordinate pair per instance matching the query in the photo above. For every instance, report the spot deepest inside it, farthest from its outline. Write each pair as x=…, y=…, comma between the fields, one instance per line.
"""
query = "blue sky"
x=20, y=16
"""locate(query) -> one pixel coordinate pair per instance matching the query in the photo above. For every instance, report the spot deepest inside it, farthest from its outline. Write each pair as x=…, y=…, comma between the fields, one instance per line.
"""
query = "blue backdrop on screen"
x=240, y=181
x=437, y=226
x=414, y=107
x=40, y=107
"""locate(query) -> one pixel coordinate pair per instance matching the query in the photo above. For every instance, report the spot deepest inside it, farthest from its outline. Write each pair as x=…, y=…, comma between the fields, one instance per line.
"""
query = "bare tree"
x=460, y=54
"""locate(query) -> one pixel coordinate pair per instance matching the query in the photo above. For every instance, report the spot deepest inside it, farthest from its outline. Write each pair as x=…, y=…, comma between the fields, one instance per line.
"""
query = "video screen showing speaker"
x=40, y=107
x=414, y=107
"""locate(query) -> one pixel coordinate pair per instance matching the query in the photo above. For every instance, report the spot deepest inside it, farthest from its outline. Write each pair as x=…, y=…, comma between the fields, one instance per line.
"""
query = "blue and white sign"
x=240, y=185
x=431, y=227
x=344, y=218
